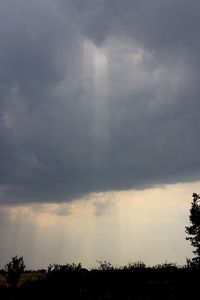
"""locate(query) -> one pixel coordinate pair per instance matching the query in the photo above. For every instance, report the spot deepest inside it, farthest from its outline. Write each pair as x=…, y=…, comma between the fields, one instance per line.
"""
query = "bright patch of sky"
x=119, y=227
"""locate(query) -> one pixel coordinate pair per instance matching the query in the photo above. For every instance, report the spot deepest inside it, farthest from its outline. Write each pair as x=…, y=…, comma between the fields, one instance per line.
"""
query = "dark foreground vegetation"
x=135, y=281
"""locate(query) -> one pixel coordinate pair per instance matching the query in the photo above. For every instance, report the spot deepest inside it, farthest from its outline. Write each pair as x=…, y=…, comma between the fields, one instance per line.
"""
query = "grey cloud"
x=64, y=131
x=155, y=23
x=102, y=207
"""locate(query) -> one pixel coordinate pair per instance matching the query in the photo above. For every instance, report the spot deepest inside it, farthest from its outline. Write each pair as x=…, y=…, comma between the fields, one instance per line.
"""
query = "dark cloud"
x=96, y=96
x=155, y=23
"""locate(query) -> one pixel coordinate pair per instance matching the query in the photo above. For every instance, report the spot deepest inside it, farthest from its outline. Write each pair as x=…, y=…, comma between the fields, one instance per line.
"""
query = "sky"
x=99, y=129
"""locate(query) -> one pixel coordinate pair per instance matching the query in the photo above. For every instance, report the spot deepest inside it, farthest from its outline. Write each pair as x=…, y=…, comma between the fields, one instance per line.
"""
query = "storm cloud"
x=97, y=96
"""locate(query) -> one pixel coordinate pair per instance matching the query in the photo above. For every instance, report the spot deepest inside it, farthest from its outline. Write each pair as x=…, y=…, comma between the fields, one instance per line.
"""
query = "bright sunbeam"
x=96, y=65
x=120, y=227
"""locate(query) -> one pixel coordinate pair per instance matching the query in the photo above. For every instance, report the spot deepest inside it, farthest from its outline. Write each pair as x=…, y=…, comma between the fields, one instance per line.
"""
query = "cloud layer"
x=97, y=96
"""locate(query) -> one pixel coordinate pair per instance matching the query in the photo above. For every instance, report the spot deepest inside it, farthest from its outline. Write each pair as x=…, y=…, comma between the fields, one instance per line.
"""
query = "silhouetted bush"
x=104, y=265
x=133, y=281
x=14, y=269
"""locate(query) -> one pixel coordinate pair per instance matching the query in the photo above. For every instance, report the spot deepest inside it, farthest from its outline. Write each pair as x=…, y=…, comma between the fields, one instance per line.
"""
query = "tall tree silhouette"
x=194, y=229
x=14, y=269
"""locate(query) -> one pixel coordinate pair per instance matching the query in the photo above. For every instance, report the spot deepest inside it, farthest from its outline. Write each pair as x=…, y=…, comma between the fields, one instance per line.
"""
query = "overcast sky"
x=97, y=96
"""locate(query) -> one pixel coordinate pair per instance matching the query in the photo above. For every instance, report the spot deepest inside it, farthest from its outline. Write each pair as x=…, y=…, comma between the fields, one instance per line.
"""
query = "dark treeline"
x=134, y=281
x=71, y=281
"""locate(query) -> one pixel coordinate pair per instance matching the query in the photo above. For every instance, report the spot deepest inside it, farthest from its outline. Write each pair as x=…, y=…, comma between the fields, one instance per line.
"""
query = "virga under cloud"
x=97, y=96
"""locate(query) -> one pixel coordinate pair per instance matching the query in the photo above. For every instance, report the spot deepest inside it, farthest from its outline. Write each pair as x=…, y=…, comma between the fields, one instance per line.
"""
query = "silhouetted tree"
x=14, y=269
x=194, y=229
x=104, y=265
x=60, y=275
